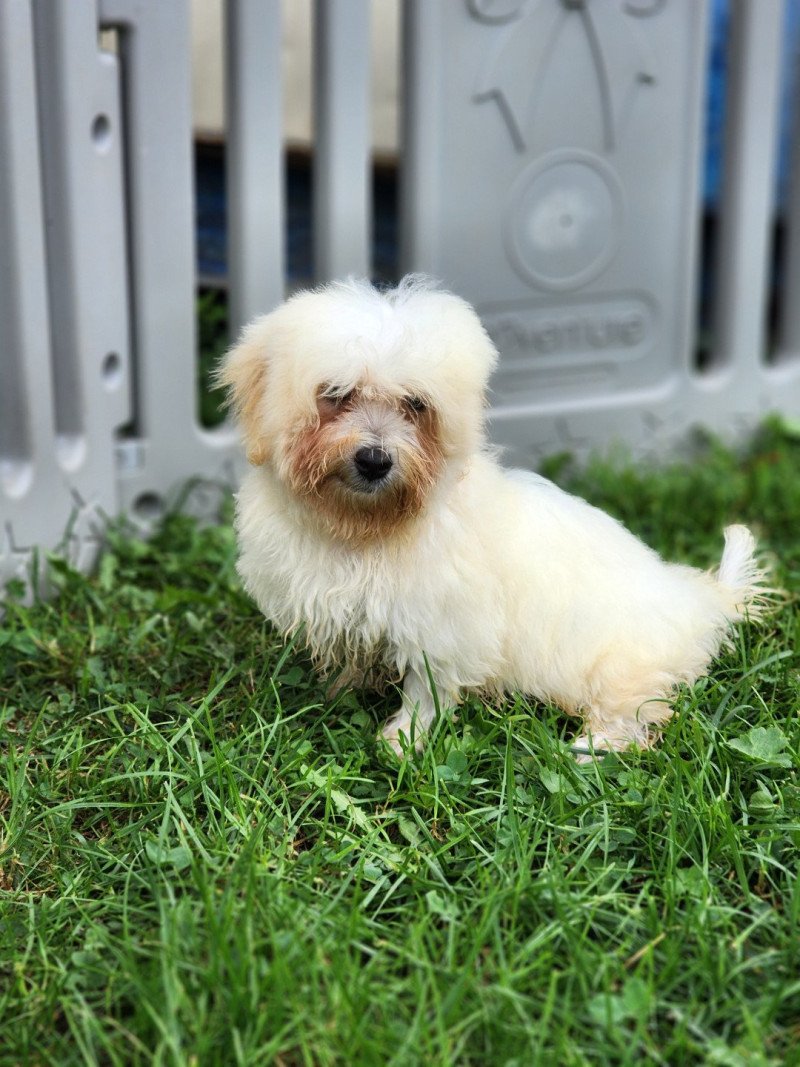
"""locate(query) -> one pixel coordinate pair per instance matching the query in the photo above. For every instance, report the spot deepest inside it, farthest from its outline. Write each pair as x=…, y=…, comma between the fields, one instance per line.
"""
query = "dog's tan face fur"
x=322, y=462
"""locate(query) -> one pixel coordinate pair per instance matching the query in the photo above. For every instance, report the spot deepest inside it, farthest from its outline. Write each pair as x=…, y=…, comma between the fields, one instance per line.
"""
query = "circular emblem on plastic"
x=564, y=220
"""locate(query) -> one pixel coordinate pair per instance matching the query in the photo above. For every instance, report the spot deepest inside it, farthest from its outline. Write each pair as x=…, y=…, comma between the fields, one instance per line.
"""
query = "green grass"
x=213, y=339
x=205, y=862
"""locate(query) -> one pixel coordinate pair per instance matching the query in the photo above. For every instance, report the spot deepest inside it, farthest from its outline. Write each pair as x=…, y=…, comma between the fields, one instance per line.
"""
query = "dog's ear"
x=243, y=372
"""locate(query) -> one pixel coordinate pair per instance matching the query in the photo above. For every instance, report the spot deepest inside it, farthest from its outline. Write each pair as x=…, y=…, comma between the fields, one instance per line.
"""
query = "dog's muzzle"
x=373, y=464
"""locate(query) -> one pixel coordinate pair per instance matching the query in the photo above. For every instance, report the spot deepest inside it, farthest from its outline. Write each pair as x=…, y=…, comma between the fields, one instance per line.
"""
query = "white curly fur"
x=451, y=568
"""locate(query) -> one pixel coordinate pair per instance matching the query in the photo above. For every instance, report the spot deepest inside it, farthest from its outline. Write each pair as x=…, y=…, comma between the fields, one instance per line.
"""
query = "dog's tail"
x=744, y=576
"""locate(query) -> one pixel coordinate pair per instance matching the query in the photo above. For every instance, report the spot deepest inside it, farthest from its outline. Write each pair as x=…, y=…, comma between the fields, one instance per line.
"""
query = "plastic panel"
x=552, y=178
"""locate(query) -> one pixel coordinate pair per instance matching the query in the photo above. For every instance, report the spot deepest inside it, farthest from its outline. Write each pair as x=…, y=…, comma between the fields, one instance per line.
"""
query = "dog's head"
x=361, y=401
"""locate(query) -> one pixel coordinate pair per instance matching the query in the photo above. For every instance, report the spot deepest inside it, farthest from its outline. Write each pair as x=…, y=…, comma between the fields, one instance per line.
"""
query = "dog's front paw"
x=397, y=732
x=394, y=743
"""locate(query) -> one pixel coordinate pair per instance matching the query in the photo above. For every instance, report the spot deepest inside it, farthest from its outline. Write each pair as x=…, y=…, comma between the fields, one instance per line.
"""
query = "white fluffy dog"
x=377, y=523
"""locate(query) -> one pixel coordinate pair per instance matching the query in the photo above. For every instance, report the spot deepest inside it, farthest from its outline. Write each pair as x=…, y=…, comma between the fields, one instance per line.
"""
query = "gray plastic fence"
x=550, y=174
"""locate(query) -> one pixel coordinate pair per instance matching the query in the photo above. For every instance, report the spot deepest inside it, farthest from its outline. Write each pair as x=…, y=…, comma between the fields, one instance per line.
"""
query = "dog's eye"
x=416, y=404
x=336, y=400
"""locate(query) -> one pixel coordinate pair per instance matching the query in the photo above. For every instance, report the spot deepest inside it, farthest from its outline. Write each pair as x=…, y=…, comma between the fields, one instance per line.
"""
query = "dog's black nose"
x=372, y=463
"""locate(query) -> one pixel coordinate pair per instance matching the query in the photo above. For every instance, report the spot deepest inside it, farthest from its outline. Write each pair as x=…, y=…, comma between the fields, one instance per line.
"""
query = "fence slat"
x=341, y=160
x=789, y=325
x=747, y=211
x=254, y=158
x=160, y=185
x=420, y=174
x=81, y=141
x=26, y=432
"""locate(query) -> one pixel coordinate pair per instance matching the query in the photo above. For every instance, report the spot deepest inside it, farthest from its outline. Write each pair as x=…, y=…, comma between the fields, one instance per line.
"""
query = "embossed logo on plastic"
x=529, y=48
x=621, y=327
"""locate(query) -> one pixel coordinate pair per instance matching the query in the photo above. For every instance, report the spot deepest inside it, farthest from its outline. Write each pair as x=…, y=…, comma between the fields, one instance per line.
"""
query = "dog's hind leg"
x=413, y=719
x=606, y=734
